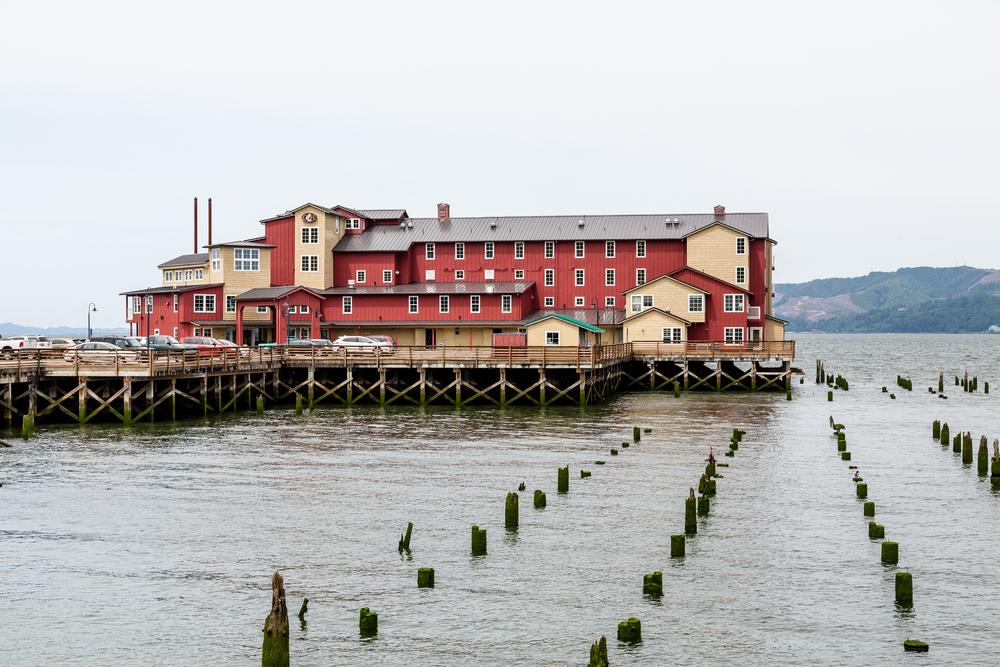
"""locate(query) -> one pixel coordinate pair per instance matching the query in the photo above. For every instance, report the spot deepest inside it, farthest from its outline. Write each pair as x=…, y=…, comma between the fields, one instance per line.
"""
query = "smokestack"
x=209, y=221
x=720, y=210
x=196, y=225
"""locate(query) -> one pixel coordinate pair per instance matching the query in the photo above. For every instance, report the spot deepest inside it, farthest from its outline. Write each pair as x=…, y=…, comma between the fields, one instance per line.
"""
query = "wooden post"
x=151, y=397
x=204, y=395
x=563, y=480
x=81, y=397
x=511, y=515
x=404, y=540
x=274, y=653
x=541, y=388
x=423, y=386
x=218, y=392
x=941, y=382
x=599, y=653
x=478, y=540
x=690, y=514
x=173, y=399
x=8, y=398
x=458, y=386
x=350, y=385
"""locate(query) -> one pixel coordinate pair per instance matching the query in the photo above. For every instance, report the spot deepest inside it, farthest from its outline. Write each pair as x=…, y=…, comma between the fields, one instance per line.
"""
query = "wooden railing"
x=165, y=362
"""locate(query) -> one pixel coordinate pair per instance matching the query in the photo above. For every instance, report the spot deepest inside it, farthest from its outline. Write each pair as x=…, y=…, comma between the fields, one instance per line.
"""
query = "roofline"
x=567, y=320
x=718, y=222
x=292, y=289
x=776, y=319
x=666, y=275
x=659, y=310
x=237, y=244
x=709, y=275
x=164, y=265
x=170, y=290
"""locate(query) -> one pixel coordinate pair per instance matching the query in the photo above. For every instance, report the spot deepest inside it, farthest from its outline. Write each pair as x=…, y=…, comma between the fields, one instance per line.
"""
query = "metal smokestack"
x=196, y=225
x=209, y=221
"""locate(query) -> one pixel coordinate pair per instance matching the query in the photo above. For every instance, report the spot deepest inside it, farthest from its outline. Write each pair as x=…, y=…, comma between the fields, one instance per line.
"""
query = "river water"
x=154, y=544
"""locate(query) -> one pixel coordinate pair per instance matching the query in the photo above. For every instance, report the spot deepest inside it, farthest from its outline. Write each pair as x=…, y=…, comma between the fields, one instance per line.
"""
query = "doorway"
x=429, y=337
x=756, y=334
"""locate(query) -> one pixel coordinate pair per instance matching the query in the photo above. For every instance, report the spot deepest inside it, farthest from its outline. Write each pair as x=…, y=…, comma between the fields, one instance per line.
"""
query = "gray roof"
x=605, y=316
x=383, y=213
x=260, y=293
x=185, y=260
x=168, y=290
x=392, y=238
x=421, y=323
x=460, y=287
x=241, y=244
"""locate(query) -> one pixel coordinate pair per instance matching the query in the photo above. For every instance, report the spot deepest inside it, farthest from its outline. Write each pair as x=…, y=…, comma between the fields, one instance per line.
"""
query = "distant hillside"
x=11, y=329
x=823, y=299
x=972, y=313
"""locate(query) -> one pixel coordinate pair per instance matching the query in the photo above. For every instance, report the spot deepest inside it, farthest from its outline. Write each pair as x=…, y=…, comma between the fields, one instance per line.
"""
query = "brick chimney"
x=444, y=211
x=720, y=210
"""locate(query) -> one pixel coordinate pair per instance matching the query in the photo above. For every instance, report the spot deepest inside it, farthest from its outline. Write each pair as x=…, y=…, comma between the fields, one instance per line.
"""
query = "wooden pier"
x=130, y=386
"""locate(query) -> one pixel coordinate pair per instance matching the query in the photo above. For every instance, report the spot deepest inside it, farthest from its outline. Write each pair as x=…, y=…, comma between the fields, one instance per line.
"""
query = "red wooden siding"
x=281, y=233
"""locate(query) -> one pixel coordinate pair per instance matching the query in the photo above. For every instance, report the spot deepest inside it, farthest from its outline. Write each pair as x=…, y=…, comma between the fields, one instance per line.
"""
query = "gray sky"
x=868, y=130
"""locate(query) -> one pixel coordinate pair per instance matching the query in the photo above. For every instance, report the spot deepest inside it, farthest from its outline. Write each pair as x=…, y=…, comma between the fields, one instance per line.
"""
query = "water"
x=154, y=544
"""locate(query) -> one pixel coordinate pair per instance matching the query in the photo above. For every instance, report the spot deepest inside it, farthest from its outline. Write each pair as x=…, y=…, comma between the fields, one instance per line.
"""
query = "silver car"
x=98, y=353
x=361, y=344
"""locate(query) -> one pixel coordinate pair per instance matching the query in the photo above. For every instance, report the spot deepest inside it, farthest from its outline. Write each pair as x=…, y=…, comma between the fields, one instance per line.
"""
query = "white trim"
x=579, y=302
x=459, y=251
x=387, y=272
x=734, y=299
x=429, y=251
x=744, y=240
x=730, y=338
x=642, y=305
x=555, y=334
x=640, y=277
x=518, y=274
x=444, y=303
x=550, y=302
x=744, y=270
x=206, y=299
x=360, y=275
x=579, y=249
x=347, y=305
x=701, y=303
x=550, y=246
x=609, y=249
x=459, y=274
x=309, y=235
x=518, y=249
x=609, y=302
x=309, y=263
x=506, y=303
x=489, y=251
x=475, y=303
x=550, y=278
x=609, y=273
x=676, y=335
x=413, y=304
x=580, y=276
x=640, y=250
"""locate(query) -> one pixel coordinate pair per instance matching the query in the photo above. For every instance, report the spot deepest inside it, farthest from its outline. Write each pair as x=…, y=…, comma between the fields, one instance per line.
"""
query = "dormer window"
x=216, y=259
x=168, y=276
x=353, y=223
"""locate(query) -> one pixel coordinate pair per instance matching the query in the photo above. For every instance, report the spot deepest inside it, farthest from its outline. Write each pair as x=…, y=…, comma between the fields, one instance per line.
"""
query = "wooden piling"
x=584, y=474
x=636, y=435
x=298, y=405
x=260, y=405
x=478, y=540
x=829, y=395
x=875, y=531
x=984, y=456
x=916, y=646
x=870, y=508
x=599, y=653
x=940, y=382
x=845, y=456
x=274, y=652
x=936, y=428
x=890, y=552
x=368, y=622
x=404, y=540
x=511, y=518
x=425, y=577
x=630, y=630
x=944, y=434
x=862, y=490
x=703, y=505
x=677, y=546
x=904, y=587
x=303, y=609
x=690, y=514
x=652, y=583
x=539, y=498
x=564, y=480
x=967, y=448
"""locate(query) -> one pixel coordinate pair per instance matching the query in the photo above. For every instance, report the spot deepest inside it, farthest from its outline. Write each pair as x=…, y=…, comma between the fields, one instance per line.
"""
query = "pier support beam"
x=503, y=387
x=82, y=401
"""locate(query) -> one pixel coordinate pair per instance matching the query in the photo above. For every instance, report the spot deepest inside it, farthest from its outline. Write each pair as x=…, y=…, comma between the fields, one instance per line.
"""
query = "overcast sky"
x=868, y=131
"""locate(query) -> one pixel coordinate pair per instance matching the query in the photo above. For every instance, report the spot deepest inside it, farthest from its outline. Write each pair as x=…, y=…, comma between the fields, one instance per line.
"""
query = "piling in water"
x=298, y=406
x=630, y=630
x=730, y=453
x=890, y=552
x=914, y=645
x=625, y=445
x=636, y=435
x=937, y=429
x=967, y=449
x=841, y=446
x=584, y=473
x=862, y=490
x=564, y=480
x=875, y=531
x=652, y=583
x=904, y=587
x=845, y=456
x=870, y=508
x=677, y=546
x=404, y=540
x=788, y=395
x=274, y=653
x=677, y=390
x=690, y=514
x=425, y=577
x=829, y=395
x=539, y=498
x=614, y=452
x=304, y=608
x=521, y=487
x=368, y=622
x=260, y=405
x=510, y=516
x=599, y=653
x=711, y=487
x=478, y=540
x=27, y=425
x=940, y=382
x=703, y=485
x=703, y=506
x=986, y=387
x=984, y=457
x=956, y=443
x=944, y=434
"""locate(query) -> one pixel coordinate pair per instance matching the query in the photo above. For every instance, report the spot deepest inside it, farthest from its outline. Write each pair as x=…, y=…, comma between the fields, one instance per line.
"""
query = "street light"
x=90, y=332
x=146, y=307
x=287, y=322
x=597, y=318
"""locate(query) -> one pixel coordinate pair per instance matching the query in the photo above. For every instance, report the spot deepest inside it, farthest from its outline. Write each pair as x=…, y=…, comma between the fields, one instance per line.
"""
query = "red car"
x=210, y=346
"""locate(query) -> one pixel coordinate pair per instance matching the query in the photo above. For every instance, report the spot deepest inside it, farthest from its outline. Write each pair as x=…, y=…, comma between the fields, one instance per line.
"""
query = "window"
x=216, y=259
x=734, y=335
x=459, y=251
x=149, y=304
x=304, y=333
x=348, y=305
x=168, y=276
x=579, y=249
x=230, y=303
x=429, y=274
x=199, y=274
x=741, y=275
x=550, y=277
x=753, y=312
x=671, y=334
x=429, y=251
x=518, y=274
x=609, y=302
x=609, y=249
x=176, y=299
x=640, y=277
x=310, y=235
x=188, y=274
x=640, y=249
x=414, y=304
x=443, y=304
x=519, y=250
x=262, y=310
x=733, y=303
x=551, y=337
x=579, y=277
x=175, y=332
x=310, y=263
x=303, y=309
x=609, y=277
x=387, y=276
x=488, y=274
x=459, y=274
x=550, y=249
x=550, y=302
x=741, y=247
x=353, y=223
x=489, y=250
x=246, y=259
x=696, y=303
x=197, y=332
x=474, y=303
x=580, y=302
x=204, y=303
x=292, y=310
x=639, y=302
x=505, y=303
x=359, y=276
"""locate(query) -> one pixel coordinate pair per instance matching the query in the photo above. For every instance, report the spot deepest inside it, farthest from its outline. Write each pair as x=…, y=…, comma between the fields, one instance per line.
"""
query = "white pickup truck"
x=25, y=342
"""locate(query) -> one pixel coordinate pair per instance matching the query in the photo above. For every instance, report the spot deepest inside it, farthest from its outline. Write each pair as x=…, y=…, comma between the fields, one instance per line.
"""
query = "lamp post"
x=146, y=307
x=284, y=310
x=90, y=332
x=597, y=318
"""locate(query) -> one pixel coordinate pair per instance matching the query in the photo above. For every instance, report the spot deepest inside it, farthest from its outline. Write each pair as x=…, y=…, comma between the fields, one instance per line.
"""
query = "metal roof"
x=604, y=316
x=658, y=310
x=421, y=323
x=264, y=293
x=186, y=260
x=383, y=213
x=569, y=320
x=168, y=290
x=393, y=238
x=241, y=244
x=462, y=287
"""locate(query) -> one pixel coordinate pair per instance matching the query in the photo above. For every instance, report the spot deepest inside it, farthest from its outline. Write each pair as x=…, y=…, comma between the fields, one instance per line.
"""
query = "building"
x=324, y=272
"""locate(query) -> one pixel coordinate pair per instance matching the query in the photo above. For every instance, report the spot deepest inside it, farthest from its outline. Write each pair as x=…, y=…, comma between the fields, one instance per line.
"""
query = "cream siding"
x=331, y=230
x=175, y=282
x=712, y=250
x=773, y=329
x=671, y=294
x=238, y=282
x=569, y=334
x=649, y=326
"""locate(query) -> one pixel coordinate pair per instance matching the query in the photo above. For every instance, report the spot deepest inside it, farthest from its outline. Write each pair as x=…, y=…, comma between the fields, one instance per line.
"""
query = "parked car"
x=121, y=342
x=26, y=342
x=160, y=343
x=311, y=346
x=386, y=341
x=98, y=352
x=207, y=346
x=233, y=348
x=63, y=343
x=361, y=344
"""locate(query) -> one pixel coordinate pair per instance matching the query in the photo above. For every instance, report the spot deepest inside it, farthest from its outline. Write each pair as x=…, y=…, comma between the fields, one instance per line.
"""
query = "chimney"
x=196, y=225
x=209, y=221
x=720, y=210
x=444, y=211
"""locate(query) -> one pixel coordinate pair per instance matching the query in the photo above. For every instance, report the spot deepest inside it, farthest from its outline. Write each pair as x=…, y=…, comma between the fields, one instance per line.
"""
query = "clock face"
x=309, y=217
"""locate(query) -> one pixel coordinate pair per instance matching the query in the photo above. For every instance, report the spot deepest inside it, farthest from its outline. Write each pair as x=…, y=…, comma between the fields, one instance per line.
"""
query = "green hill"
x=972, y=313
